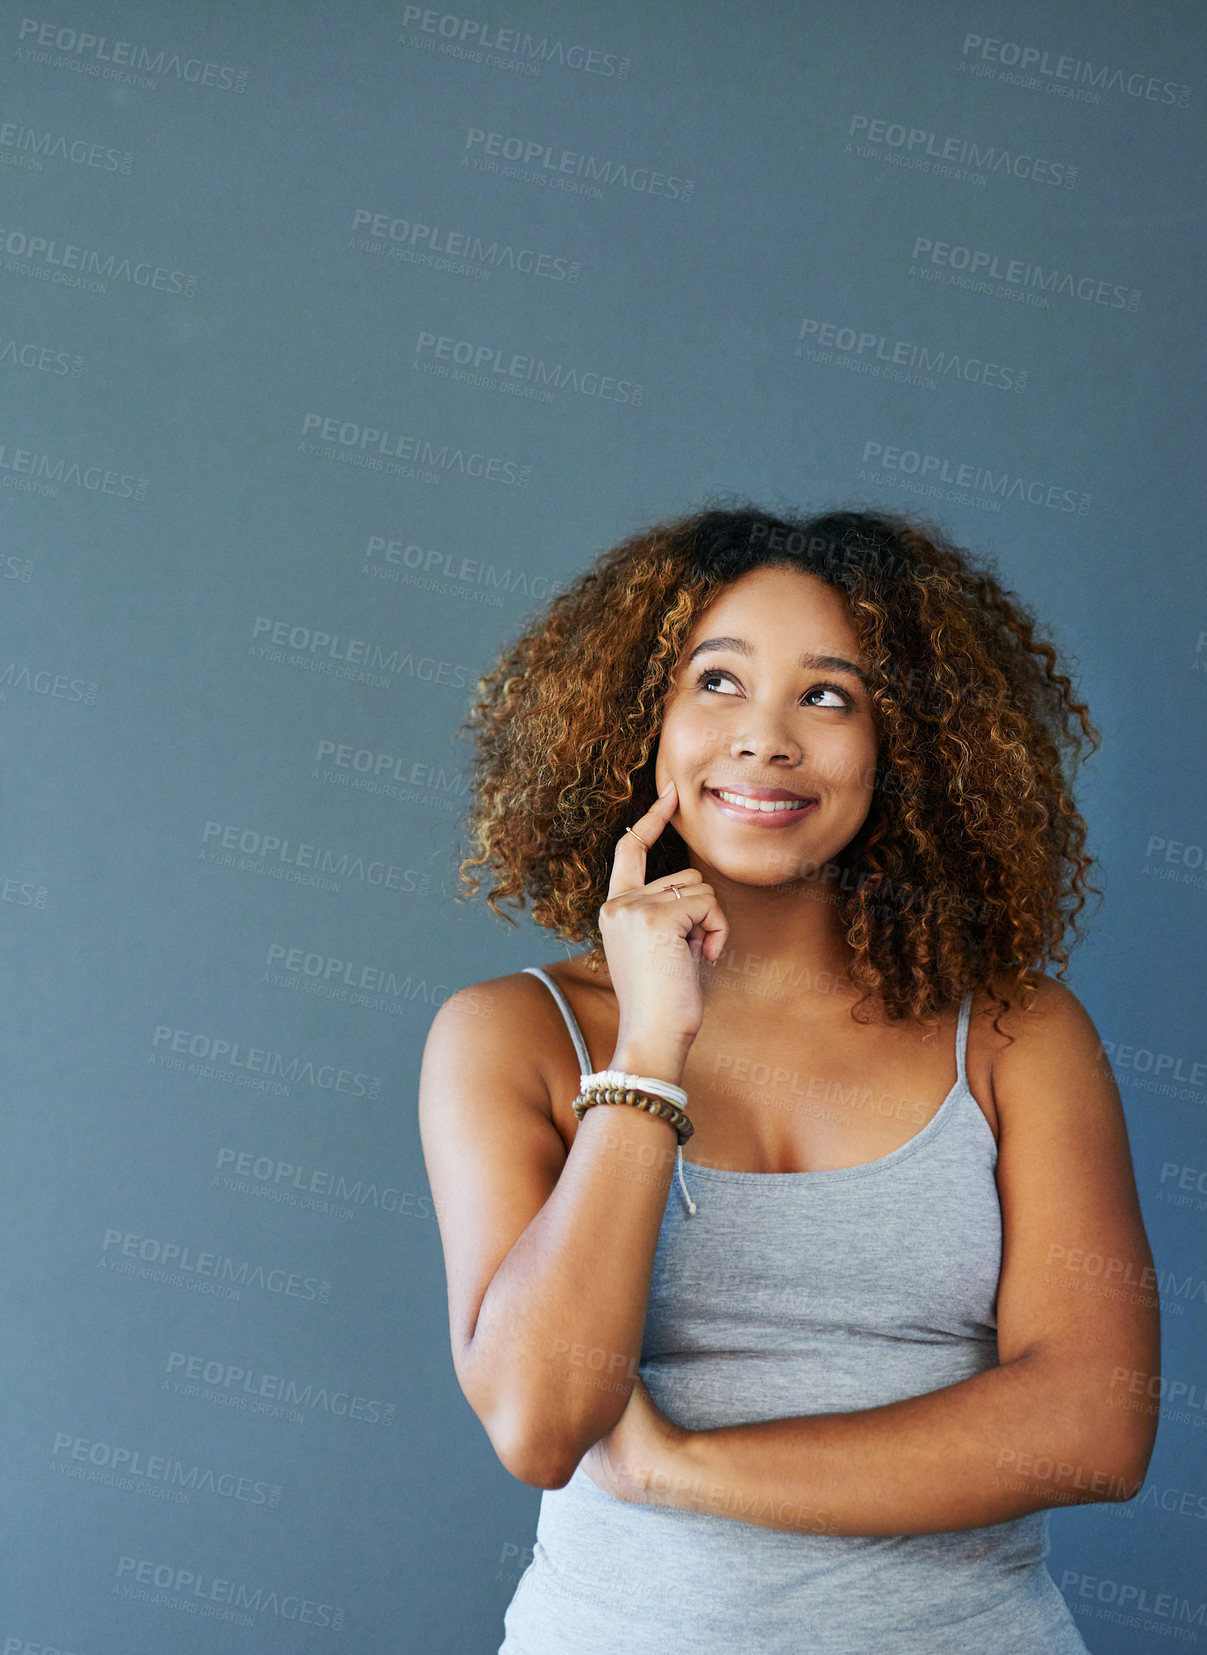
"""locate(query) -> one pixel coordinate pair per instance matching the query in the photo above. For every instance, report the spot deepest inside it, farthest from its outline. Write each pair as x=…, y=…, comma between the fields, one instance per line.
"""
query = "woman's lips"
x=761, y=818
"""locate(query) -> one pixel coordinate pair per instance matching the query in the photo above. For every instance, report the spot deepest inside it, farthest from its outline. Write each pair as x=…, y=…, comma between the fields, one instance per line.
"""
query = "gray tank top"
x=789, y=1293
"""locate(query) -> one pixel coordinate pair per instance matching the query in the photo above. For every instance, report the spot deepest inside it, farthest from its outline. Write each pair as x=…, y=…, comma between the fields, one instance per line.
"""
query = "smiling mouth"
x=760, y=807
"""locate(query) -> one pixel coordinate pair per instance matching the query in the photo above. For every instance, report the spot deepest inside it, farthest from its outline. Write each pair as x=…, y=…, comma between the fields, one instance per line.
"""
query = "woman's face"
x=768, y=702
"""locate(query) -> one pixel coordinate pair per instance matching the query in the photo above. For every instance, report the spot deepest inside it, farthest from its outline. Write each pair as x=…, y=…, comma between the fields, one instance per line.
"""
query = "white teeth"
x=760, y=804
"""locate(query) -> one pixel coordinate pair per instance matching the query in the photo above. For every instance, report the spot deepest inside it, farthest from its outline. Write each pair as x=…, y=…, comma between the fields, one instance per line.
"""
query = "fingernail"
x=666, y=789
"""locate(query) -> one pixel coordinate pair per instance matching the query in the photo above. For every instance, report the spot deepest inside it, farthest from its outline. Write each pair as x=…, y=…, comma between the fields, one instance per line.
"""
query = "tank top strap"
x=584, y=1057
x=962, y=1040
x=576, y=1034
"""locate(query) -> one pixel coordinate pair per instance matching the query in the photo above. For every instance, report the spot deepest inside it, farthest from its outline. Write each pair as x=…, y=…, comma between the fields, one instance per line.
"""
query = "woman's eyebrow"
x=828, y=663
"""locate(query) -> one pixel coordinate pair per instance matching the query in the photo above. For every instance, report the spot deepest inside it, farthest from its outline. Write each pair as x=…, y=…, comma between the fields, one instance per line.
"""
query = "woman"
x=803, y=787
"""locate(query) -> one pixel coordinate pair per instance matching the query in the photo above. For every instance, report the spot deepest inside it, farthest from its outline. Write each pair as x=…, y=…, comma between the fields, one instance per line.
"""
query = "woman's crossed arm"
x=1065, y=1418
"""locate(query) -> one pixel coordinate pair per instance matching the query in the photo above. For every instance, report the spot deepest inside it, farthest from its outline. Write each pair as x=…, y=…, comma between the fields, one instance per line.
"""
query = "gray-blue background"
x=259, y=543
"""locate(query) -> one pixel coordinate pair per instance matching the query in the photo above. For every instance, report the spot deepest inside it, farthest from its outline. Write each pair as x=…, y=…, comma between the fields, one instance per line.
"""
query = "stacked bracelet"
x=618, y=1077
x=611, y=1086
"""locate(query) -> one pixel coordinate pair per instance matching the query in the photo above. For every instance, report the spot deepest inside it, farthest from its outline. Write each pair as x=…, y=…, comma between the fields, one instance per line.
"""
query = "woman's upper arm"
x=492, y=1152
x=1077, y=1273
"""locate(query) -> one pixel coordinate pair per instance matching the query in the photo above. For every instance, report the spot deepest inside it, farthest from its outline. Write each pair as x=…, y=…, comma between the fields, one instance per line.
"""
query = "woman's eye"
x=712, y=677
x=841, y=699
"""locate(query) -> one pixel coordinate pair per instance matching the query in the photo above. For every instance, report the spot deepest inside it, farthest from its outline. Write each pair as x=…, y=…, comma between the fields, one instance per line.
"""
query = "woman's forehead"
x=774, y=601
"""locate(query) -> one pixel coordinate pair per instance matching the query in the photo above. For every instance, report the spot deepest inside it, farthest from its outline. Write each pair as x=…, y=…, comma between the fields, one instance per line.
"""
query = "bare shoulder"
x=1048, y=1001
x=1044, y=1042
x=509, y=1020
x=1048, y=1013
x=510, y=1032
x=492, y=1151
x=496, y=1003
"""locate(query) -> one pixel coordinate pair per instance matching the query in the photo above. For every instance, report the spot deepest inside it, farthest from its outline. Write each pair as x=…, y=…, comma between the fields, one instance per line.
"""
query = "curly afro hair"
x=970, y=868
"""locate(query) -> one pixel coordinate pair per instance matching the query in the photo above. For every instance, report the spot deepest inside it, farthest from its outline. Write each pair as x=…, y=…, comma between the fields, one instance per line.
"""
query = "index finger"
x=628, y=864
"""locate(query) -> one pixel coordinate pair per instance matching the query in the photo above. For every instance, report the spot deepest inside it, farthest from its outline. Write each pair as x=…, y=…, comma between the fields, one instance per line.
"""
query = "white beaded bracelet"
x=618, y=1077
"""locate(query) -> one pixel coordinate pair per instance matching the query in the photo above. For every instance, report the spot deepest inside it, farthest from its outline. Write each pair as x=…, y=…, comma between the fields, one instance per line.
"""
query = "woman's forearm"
x=1032, y=1433
x=557, y=1338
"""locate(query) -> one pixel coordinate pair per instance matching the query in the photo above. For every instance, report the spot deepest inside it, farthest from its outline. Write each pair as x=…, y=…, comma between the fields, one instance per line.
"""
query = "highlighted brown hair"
x=970, y=869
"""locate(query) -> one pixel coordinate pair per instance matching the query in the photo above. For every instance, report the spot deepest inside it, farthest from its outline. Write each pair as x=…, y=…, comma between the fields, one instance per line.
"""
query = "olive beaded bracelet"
x=640, y=1098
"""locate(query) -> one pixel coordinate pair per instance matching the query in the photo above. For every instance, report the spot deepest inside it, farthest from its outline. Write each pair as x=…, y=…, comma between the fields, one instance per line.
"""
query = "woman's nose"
x=765, y=741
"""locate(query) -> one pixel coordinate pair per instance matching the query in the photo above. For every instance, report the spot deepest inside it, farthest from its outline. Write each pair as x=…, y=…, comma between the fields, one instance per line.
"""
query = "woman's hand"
x=632, y=1461
x=654, y=938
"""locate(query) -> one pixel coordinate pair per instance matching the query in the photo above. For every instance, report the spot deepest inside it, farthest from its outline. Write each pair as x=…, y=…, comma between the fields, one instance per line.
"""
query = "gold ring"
x=636, y=836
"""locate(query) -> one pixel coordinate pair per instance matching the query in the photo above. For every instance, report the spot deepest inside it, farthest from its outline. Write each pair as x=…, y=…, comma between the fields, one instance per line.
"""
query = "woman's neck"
x=791, y=931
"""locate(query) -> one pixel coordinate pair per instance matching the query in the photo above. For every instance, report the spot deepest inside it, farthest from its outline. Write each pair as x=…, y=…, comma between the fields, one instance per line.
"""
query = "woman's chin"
x=766, y=860
x=760, y=866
